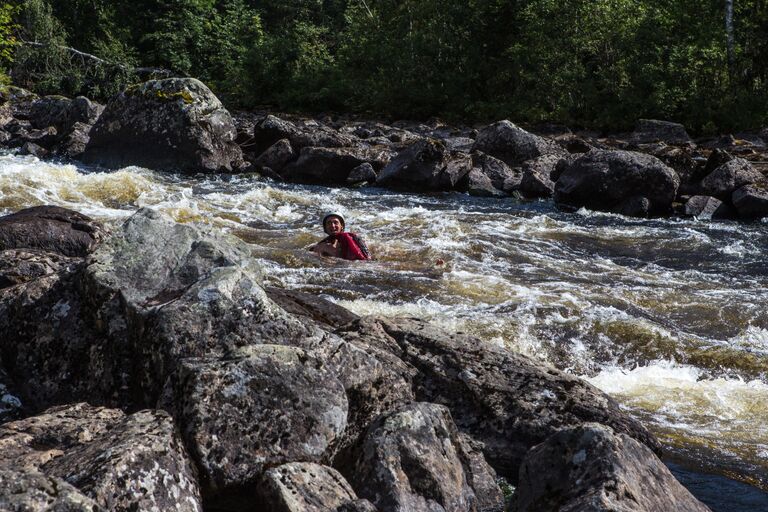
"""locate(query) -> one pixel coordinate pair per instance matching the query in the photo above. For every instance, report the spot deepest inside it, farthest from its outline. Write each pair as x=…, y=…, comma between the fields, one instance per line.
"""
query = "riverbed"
x=666, y=315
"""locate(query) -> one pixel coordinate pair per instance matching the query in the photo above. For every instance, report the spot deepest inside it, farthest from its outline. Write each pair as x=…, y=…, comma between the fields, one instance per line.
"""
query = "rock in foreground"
x=590, y=468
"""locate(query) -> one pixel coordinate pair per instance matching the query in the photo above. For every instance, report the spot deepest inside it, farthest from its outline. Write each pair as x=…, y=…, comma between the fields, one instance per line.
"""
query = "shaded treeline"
x=594, y=63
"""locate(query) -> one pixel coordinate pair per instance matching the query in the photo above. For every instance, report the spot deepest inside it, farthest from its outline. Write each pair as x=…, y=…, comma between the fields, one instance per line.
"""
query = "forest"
x=598, y=64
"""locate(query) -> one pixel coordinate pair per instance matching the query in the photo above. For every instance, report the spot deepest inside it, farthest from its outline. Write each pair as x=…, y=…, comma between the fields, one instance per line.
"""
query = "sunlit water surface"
x=666, y=315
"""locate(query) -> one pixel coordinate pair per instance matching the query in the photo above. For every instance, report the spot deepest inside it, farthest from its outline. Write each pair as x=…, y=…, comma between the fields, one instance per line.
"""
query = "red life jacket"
x=352, y=247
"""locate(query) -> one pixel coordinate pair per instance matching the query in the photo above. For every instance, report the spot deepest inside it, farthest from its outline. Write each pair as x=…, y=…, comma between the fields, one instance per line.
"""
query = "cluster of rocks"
x=149, y=369
x=177, y=124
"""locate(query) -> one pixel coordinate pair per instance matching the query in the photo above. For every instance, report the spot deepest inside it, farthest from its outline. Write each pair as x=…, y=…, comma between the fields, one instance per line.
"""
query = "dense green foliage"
x=599, y=63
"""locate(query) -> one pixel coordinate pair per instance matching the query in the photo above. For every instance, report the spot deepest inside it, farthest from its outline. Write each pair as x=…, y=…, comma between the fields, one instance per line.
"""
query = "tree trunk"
x=729, y=34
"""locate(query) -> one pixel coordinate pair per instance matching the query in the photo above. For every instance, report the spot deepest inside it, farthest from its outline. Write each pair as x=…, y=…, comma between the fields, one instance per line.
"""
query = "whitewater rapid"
x=666, y=315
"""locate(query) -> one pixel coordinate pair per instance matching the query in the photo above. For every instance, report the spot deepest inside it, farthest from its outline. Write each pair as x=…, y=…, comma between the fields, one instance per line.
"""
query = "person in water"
x=339, y=244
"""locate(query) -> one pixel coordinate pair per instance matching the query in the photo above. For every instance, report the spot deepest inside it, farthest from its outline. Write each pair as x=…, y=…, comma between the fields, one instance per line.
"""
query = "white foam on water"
x=682, y=398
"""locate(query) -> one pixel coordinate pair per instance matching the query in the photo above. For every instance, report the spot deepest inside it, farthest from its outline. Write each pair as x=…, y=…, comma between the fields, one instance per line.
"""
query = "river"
x=666, y=315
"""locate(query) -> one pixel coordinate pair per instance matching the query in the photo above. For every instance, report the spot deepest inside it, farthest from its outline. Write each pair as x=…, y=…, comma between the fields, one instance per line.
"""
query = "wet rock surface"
x=50, y=228
x=590, y=467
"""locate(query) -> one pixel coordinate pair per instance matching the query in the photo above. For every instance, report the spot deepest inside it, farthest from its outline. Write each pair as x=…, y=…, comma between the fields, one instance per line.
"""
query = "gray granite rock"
x=32, y=491
x=413, y=460
x=589, y=468
x=174, y=124
x=260, y=407
x=513, y=145
x=304, y=487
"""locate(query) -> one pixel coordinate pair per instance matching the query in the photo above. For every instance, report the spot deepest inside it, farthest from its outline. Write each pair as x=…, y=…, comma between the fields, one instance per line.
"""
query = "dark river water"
x=667, y=315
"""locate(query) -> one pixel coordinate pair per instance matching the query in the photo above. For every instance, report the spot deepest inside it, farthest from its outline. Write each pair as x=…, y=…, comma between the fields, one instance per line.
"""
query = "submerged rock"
x=412, y=460
x=174, y=124
x=605, y=180
x=590, y=467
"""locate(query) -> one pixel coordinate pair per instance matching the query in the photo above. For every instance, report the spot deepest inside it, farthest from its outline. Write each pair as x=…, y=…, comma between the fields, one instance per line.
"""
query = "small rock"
x=32, y=491
x=478, y=184
x=728, y=177
x=703, y=207
x=635, y=206
x=277, y=156
x=537, y=176
x=50, y=228
x=304, y=487
x=361, y=174
x=30, y=148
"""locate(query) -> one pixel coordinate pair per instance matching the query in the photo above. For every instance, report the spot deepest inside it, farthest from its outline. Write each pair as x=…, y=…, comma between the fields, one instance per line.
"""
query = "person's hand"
x=440, y=262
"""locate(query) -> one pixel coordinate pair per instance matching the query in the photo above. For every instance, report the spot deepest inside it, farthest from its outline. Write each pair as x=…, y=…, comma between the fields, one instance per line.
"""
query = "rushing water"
x=666, y=315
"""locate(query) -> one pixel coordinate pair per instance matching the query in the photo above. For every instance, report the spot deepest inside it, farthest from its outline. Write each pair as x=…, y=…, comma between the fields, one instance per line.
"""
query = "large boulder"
x=728, y=177
x=260, y=407
x=305, y=487
x=606, y=180
x=513, y=145
x=153, y=293
x=505, y=401
x=425, y=165
x=50, y=228
x=175, y=124
x=32, y=491
x=653, y=130
x=276, y=156
x=413, y=460
x=590, y=467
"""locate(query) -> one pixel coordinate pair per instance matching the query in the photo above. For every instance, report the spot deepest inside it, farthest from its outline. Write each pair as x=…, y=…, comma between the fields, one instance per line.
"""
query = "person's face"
x=333, y=226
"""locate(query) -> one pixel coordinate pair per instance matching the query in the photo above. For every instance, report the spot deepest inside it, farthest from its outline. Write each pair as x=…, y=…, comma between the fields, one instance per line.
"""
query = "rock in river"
x=591, y=468
x=174, y=124
x=607, y=180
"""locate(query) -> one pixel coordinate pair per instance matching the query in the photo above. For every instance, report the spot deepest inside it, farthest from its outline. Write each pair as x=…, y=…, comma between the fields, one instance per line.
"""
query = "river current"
x=668, y=316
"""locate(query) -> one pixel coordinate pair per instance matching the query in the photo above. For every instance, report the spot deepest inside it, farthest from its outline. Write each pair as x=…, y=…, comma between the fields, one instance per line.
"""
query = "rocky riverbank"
x=150, y=369
x=179, y=125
